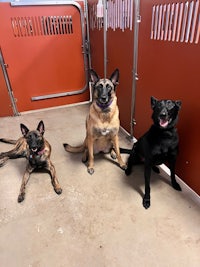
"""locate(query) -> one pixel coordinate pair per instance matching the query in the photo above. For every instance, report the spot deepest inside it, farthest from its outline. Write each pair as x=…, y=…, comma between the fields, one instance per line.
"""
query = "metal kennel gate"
x=43, y=48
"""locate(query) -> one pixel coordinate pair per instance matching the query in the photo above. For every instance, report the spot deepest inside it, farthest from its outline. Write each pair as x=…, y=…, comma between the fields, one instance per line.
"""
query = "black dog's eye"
x=169, y=104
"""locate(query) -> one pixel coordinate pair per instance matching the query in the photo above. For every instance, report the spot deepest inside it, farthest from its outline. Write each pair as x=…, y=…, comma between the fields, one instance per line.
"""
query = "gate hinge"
x=133, y=122
x=139, y=18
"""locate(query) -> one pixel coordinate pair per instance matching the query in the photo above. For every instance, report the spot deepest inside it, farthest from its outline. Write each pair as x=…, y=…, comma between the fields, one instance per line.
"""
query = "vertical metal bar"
x=194, y=21
x=137, y=20
x=88, y=35
x=105, y=36
x=191, y=6
x=10, y=92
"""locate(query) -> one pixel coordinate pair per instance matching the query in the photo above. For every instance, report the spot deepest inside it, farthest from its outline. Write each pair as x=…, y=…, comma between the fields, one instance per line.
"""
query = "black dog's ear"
x=93, y=76
x=153, y=102
x=24, y=129
x=115, y=77
x=178, y=103
x=40, y=127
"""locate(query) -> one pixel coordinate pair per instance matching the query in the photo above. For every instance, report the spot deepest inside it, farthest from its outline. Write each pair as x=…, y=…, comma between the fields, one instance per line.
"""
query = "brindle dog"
x=33, y=146
x=102, y=123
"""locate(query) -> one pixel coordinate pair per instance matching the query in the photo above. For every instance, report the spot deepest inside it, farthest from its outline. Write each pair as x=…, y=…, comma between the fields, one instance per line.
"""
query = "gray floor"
x=98, y=221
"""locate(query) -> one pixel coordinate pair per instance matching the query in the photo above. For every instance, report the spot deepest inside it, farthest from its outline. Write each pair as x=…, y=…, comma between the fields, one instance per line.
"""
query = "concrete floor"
x=99, y=220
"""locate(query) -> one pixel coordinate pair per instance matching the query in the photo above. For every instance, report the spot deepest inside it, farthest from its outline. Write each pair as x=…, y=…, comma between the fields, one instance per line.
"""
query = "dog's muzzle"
x=164, y=120
x=104, y=100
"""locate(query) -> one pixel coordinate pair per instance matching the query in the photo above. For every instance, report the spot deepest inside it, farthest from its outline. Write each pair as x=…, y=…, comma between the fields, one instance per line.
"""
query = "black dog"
x=158, y=145
x=33, y=146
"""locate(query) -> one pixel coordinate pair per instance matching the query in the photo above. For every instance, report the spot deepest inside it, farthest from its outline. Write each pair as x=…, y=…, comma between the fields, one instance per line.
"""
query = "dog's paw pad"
x=146, y=203
x=58, y=191
x=90, y=170
x=20, y=198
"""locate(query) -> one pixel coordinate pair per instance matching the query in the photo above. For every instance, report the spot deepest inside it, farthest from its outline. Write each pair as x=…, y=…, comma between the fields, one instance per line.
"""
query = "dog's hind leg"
x=8, y=141
x=132, y=160
x=175, y=185
x=85, y=156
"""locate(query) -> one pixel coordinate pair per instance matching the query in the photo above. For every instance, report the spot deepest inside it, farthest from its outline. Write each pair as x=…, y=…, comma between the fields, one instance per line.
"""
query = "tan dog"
x=33, y=146
x=102, y=123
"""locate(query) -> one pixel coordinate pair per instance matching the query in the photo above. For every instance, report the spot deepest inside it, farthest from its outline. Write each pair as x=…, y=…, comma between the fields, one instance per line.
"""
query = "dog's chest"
x=36, y=160
x=164, y=148
x=105, y=131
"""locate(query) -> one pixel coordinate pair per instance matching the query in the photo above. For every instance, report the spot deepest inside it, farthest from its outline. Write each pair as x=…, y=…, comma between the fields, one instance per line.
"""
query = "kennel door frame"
x=54, y=91
x=73, y=3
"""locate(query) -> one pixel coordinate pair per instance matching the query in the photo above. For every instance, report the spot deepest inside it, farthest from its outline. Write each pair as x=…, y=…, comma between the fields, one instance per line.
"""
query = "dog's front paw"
x=123, y=166
x=21, y=197
x=176, y=186
x=90, y=170
x=58, y=190
x=146, y=202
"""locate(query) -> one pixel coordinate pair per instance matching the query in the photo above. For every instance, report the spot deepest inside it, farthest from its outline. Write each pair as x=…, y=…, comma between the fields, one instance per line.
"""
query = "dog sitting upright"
x=102, y=123
x=33, y=146
x=158, y=145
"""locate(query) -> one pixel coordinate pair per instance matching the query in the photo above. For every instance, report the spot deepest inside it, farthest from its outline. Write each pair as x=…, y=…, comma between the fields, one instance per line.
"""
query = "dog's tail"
x=74, y=149
x=125, y=150
x=8, y=141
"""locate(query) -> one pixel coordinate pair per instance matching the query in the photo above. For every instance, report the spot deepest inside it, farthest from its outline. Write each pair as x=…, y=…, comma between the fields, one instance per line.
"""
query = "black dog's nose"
x=163, y=115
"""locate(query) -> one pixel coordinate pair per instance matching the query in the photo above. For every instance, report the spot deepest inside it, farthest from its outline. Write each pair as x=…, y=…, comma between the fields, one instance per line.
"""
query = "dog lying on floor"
x=33, y=146
x=102, y=123
x=158, y=145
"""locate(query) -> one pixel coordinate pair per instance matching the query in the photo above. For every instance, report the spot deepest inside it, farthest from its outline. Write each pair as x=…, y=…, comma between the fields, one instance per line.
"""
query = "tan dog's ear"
x=93, y=77
x=24, y=129
x=115, y=77
x=40, y=127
